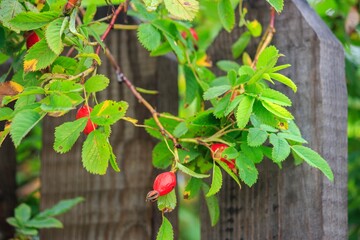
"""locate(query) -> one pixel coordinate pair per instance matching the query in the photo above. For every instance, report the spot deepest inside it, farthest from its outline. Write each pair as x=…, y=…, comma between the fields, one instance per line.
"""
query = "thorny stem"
x=123, y=79
x=266, y=39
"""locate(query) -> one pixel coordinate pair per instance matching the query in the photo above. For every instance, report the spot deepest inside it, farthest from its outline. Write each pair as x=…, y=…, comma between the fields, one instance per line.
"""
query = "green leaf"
x=266, y=57
x=230, y=153
x=168, y=124
x=22, y=213
x=254, y=153
x=178, y=50
x=112, y=159
x=186, y=156
x=227, y=65
x=39, y=57
x=277, y=110
x=183, y=9
x=226, y=14
x=67, y=134
x=233, y=104
x=192, y=188
x=191, y=172
x=152, y=5
x=255, y=28
x=60, y=208
x=166, y=231
x=13, y=222
x=229, y=171
x=212, y=204
x=26, y=21
x=53, y=35
x=216, y=91
x=22, y=123
x=283, y=79
x=95, y=153
x=44, y=223
x=167, y=202
x=239, y=46
x=108, y=112
x=221, y=106
x=8, y=10
x=274, y=96
x=281, y=149
x=161, y=156
x=247, y=170
x=216, y=182
x=149, y=36
x=90, y=13
x=256, y=137
x=314, y=160
x=277, y=4
x=96, y=83
x=192, y=87
x=244, y=111
x=179, y=130
x=292, y=137
x=5, y=113
x=93, y=56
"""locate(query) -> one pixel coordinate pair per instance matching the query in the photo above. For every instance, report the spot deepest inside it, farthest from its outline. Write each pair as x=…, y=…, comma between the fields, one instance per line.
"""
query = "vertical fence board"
x=296, y=202
x=115, y=205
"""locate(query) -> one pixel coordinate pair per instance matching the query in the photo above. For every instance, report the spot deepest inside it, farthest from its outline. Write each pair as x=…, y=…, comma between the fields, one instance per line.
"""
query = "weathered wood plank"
x=296, y=202
x=115, y=205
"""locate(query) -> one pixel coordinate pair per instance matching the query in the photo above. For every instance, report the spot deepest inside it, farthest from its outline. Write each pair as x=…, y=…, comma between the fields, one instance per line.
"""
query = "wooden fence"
x=294, y=203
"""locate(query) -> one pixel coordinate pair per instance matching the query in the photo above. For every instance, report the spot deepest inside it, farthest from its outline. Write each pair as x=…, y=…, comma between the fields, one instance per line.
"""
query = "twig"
x=121, y=78
x=266, y=39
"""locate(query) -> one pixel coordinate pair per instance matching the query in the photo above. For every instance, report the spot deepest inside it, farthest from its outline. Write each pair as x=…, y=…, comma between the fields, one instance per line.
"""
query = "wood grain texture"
x=296, y=202
x=115, y=206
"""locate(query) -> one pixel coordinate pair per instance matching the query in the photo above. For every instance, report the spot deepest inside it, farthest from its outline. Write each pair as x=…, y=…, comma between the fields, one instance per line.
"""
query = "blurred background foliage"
x=342, y=17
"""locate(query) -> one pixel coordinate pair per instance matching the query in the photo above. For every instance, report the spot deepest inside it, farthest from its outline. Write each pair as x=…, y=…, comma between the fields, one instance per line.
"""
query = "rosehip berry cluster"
x=163, y=184
x=32, y=39
x=85, y=111
x=216, y=151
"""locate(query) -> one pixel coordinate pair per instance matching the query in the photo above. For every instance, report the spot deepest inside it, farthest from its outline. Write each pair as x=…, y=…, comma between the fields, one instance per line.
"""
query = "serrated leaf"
x=112, y=159
x=216, y=91
x=53, y=35
x=191, y=172
x=26, y=21
x=247, y=170
x=149, y=36
x=44, y=223
x=161, y=156
x=216, y=181
x=266, y=57
x=22, y=123
x=221, y=106
x=277, y=4
x=212, y=204
x=186, y=156
x=292, y=137
x=256, y=137
x=67, y=134
x=283, y=79
x=183, y=9
x=233, y=104
x=96, y=83
x=38, y=57
x=5, y=113
x=274, y=96
x=281, y=148
x=277, y=110
x=8, y=10
x=192, y=188
x=95, y=153
x=166, y=231
x=239, y=46
x=244, y=111
x=314, y=160
x=108, y=112
x=253, y=153
x=227, y=65
x=90, y=13
x=22, y=213
x=192, y=87
x=229, y=171
x=60, y=208
x=168, y=124
x=152, y=5
x=230, y=153
x=179, y=130
x=93, y=56
x=226, y=14
x=167, y=202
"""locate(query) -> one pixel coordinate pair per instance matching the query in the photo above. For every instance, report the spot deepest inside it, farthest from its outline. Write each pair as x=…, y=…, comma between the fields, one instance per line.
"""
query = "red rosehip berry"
x=194, y=34
x=216, y=151
x=70, y=5
x=163, y=184
x=32, y=39
x=85, y=111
